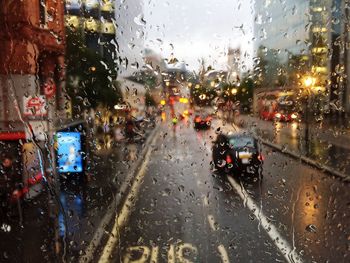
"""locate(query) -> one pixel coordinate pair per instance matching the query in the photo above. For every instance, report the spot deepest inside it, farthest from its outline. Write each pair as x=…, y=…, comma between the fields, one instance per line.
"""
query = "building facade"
x=97, y=19
x=32, y=51
x=32, y=82
x=312, y=33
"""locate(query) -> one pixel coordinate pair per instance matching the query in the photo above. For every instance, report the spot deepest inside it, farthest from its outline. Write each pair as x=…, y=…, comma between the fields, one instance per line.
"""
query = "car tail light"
x=261, y=157
x=198, y=119
x=228, y=159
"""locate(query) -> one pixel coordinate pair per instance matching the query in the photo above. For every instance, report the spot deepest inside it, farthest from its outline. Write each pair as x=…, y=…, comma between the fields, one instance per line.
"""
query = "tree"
x=245, y=93
x=90, y=82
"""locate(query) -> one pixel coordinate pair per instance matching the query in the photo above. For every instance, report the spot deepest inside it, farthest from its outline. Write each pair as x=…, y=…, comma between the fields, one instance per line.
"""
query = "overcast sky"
x=192, y=29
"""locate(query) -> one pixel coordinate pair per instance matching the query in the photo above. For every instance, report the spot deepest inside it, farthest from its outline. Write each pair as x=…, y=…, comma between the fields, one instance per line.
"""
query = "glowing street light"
x=309, y=81
x=234, y=91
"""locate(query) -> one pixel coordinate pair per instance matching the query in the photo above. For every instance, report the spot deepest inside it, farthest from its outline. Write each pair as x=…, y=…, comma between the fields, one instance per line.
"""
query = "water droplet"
x=311, y=228
x=139, y=20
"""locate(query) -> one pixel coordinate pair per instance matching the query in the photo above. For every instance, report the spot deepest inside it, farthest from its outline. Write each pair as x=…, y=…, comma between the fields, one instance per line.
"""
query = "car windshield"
x=119, y=121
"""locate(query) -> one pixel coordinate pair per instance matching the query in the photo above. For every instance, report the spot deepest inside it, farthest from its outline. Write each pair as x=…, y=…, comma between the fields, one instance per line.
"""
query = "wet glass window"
x=174, y=131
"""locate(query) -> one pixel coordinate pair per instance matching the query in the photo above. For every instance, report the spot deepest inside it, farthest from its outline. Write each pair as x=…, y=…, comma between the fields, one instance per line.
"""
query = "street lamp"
x=234, y=91
x=308, y=83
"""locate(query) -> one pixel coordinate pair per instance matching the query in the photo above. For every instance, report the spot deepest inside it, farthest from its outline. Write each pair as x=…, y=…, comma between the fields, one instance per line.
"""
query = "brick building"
x=32, y=41
x=32, y=78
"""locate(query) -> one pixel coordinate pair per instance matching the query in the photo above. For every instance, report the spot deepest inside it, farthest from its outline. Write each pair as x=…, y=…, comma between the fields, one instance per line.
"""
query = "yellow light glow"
x=202, y=96
x=319, y=50
x=162, y=102
x=185, y=100
x=318, y=29
x=317, y=9
x=163, y=116
x=108, y=28
x=318, y=89
x=234, y=91
x=91, y=25
x=72, y=21
x=320, y=69
x=197, y=86
x=309, y=81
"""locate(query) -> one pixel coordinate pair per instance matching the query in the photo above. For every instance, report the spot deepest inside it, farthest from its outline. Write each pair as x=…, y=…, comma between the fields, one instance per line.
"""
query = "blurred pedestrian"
x=10, y=188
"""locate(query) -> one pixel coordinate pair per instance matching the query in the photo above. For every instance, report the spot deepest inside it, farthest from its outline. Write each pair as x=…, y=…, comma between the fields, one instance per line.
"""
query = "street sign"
x=34, y=106
x=49, y=89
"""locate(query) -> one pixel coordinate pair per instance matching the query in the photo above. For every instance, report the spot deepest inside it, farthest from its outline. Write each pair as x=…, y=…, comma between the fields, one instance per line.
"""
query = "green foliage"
x=146, y=78
x=197, y=92
x=245, y=93
x=149, y=100
x=89, y=82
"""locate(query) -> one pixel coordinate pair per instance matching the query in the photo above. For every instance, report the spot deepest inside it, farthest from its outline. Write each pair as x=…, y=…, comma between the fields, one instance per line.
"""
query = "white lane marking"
x=123, y=216
x=286, y=249
x=282, y=244
x=205, y=201
x=154, y=254
x=171, y=254
x=140, y=249
x=212, y=223
x=180, y=252
x=223, y=254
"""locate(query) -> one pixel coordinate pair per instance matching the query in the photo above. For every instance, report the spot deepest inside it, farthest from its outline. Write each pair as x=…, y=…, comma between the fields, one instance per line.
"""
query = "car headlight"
x=278, y=115
x=294, y=116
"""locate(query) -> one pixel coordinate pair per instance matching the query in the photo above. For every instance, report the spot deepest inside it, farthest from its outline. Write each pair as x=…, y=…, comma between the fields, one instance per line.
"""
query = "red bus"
x=277, y=105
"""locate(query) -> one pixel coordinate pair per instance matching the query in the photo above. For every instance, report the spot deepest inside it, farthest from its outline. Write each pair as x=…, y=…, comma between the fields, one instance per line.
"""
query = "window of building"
x=42, y=13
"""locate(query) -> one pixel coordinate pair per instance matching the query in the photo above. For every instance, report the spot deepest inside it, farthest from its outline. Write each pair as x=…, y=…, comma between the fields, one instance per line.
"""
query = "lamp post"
x=308, y=82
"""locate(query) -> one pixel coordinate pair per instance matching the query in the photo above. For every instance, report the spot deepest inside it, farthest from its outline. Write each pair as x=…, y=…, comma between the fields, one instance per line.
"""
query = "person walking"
x=10, y=188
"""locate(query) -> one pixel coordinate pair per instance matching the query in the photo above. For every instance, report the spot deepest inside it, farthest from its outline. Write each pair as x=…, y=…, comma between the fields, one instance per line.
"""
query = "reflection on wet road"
x=183, y=212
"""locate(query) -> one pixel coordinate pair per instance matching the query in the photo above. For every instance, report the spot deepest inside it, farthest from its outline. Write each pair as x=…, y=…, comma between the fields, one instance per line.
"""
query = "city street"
x=174, y=131
x=181, y=211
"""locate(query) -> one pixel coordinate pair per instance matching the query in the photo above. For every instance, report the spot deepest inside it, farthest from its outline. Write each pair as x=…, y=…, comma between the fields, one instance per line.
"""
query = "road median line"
x=282, y=244
x=119, y=197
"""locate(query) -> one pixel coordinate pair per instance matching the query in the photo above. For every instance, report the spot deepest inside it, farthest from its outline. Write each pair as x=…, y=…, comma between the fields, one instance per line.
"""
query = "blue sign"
x=69, y=152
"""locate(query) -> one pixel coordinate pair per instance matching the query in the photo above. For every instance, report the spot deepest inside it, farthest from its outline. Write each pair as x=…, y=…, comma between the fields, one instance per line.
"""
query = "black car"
x=237, y=153
x=202, y=121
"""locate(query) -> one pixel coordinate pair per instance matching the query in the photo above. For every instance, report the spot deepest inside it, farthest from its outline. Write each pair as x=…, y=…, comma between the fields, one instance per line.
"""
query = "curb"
x=117, y=200
x=309, y=161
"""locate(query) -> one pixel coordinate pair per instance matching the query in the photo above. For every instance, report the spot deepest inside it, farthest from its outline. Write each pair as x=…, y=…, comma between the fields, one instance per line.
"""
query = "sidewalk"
x=84, y=206
x=328, y=145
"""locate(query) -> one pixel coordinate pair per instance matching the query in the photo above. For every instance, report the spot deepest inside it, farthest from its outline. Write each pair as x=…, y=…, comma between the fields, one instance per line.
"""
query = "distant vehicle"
x=277, y=105
x=237, y=154
x=202, y=121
